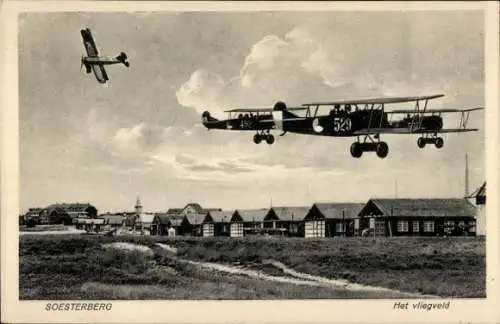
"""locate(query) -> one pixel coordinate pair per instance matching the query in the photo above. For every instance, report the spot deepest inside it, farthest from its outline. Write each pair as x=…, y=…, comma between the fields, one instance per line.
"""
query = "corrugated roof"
x=113, y=219
x=291, y=213
x=339, y=210
x=145, y=218
x=425, y=207
x=219, y=216
x=252, y=215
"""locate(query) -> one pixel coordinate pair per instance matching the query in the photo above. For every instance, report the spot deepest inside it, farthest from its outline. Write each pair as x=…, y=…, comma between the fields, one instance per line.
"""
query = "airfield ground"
x=79, y=267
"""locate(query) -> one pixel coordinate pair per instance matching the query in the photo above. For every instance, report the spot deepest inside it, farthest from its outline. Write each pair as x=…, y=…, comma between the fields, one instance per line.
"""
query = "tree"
x=91, y=211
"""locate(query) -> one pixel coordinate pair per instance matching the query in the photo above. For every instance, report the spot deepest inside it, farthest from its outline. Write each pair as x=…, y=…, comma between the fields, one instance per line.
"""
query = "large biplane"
x=365, y=119
x=95, y=62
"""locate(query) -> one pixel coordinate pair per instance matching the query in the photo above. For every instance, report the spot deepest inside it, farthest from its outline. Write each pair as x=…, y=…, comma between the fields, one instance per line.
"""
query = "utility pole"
x=466, y=175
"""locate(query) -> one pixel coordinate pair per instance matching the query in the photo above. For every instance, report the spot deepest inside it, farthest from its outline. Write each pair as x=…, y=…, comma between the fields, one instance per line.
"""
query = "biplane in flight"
x=95, y=62
x=365, y=119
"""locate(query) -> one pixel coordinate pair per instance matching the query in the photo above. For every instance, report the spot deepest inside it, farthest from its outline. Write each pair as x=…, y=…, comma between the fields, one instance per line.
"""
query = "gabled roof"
x=251, y=215
x=442, y=207
x=162, y=219
x=290, y=213
x=194, y=219
x=218, y=216
x=196, y=206
x=113, y=219
x=339, y=210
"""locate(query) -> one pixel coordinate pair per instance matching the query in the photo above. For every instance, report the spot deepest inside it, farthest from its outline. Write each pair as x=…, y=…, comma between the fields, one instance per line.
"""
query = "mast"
x=466, y=175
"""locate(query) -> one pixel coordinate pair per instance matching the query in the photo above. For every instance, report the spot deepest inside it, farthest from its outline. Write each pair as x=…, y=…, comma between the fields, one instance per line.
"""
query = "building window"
x=294, y=228
x=315, y=229
x=236, y=230
x=472, y=226
x=429, y=226
x=356, y=223
x=340, y=227
x=416, y=227
x=402, y=226
x=208, y=229
x=372, y=222
x=448, y=227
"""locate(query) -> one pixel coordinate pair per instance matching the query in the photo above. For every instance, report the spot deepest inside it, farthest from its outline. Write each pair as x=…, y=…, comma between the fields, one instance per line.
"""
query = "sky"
x=141, y=134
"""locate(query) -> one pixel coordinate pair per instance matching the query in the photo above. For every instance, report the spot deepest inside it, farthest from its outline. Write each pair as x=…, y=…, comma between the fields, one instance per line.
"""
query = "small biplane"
x=365, y=119
x=95, y=62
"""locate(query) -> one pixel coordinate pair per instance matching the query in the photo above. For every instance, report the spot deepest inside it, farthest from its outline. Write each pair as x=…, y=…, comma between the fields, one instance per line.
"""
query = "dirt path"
x=294, y=277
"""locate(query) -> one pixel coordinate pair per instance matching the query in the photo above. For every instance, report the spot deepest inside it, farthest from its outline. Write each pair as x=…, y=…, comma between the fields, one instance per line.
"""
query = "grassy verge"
x=77, y=267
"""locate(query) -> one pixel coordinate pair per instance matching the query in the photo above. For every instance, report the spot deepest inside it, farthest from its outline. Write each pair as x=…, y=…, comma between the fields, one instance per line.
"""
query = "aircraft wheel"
x=382, y=150
x=356, y=150
x=270, y=139
x=421, y=142
x=439, y=142
x=257, y=138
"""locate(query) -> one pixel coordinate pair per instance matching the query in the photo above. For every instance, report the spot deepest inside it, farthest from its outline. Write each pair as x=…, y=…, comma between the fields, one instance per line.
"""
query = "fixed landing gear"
x=437, y=141
x=269, y=138
x=381, y=148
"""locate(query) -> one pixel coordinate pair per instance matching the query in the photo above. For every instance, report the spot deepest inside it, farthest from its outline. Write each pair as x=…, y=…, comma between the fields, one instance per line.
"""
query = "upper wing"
x=375, y=101
x=100, y=73
x=257, y=110
x=405, y=130
x=410, y=111
x=88, y=42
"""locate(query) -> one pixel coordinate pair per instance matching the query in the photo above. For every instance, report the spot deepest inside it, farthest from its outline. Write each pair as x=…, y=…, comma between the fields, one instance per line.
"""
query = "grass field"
x=78, y=267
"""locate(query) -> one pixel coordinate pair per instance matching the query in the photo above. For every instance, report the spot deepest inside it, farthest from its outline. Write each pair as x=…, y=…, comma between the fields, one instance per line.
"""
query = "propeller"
x=81, y=63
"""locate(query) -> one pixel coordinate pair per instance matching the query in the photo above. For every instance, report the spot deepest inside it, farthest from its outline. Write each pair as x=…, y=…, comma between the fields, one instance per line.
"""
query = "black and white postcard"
x=249, y=162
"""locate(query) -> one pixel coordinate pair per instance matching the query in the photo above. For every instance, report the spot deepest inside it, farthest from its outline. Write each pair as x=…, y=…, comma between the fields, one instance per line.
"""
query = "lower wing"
x=100, y=73
x=371, y=131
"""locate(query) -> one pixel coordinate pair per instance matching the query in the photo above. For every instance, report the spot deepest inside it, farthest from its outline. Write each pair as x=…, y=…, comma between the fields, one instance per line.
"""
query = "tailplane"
x=123, y=59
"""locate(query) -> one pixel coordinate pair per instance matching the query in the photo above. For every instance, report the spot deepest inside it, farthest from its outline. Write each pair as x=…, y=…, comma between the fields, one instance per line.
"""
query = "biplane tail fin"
x=123, y=59
x=207, y=117
x=212, y=123
x=285, y=112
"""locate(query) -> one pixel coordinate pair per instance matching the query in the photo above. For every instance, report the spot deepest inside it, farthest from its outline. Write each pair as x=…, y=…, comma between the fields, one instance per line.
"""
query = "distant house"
x=114, y=220
x=160, y=225
x=216, y=223
x=65, y=213
x=332, y=219
x=479, y=197
x=164, y=224
x=143, y=222
x=191, y=225
x=285, y=220
x=88, y=224
x=32, y=216
x=247, y=222
x=191, y=217
x=423, y=217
